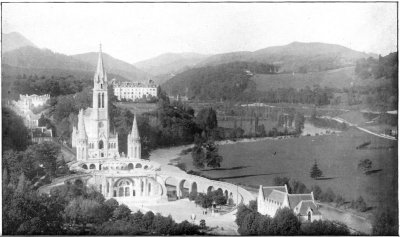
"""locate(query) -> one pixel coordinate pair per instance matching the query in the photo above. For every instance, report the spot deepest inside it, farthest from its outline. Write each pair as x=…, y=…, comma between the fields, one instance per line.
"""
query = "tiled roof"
x=268, y=190
x=303, y=206
x=277, y=196
x=295, y=199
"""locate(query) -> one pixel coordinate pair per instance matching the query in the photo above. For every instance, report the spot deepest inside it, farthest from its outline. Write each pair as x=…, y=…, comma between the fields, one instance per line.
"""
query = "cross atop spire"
x=100, y=75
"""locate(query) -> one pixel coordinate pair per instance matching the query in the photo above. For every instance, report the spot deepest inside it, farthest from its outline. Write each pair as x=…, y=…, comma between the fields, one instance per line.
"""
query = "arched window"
x=101, y=144
x=149, y=187
x=99, y=100
x=92, y=167
x=102, y=100
x=309, y=216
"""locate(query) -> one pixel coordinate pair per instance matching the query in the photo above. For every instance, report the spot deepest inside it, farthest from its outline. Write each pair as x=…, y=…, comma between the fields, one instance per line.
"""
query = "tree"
x=45, y=156
x=122, y=212
x=202, y=223
x=14, y=133
x=328, y=196
x=299, y=122
x=285, y=222
x=206, y=119
x=324, y=228
x=359, y=204
x=317, y=191
x=365, y=165
x=315, y=171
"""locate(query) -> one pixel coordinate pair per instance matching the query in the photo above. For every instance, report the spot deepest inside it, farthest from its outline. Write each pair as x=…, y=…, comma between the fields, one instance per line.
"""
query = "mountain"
x=295, y=57
x=113, y=65
x=44, y=62
x=170, y=63
x=14, y=40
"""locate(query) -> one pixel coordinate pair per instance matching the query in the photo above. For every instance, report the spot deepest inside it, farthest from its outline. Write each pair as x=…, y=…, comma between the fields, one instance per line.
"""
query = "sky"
x=138, y=31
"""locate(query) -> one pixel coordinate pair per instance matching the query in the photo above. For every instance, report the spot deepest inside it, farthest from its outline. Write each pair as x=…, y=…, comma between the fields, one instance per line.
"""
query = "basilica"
x=115, y=175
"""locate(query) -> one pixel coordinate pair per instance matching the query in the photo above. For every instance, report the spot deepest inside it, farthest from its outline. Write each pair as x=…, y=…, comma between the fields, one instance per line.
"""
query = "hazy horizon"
x=138, y=31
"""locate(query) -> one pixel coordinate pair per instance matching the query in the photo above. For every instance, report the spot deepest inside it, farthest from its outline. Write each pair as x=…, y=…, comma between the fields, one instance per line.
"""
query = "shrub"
x=324, y=228
x=328, y=196
x=339, y=200
x=317, y=192
x=359, y=204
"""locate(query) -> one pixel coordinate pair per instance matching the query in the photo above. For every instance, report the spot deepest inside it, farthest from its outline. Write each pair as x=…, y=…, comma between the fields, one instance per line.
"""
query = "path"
x=182, y=209
x=360, y=128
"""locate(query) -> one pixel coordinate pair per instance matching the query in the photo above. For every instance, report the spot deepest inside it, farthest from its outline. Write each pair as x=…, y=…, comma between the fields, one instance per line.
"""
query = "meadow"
x=258, y=163
x=338, y=78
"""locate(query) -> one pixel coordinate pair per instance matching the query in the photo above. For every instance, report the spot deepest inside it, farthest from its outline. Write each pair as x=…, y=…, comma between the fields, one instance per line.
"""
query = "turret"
x=81, y=139
x=134, y=146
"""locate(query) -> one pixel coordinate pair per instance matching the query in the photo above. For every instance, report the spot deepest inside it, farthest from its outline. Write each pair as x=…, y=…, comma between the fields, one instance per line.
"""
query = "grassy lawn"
x=254, y=163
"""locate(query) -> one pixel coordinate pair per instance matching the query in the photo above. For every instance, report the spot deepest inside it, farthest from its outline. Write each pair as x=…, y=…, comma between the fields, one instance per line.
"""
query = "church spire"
x=81, y=126
x=135, y=130
x=100, y=75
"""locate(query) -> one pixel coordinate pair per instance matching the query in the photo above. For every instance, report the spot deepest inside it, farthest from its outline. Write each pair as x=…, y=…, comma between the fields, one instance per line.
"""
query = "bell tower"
x=100, y=107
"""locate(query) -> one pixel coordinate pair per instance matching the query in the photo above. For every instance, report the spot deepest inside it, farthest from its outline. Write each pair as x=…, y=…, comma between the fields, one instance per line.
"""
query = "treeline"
x=386, y=66
x=55, y=86
x=225, y=81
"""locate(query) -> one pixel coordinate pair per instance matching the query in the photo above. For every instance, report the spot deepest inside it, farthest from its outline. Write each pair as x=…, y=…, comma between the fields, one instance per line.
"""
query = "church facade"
x=126, y=177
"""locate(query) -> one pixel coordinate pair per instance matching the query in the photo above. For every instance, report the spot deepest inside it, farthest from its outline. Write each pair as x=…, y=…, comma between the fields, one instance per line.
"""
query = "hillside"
x=295, y=57
x=338, y=78
x=14, y=40
x=169, y=63
x=225, y=81
x=113, y=65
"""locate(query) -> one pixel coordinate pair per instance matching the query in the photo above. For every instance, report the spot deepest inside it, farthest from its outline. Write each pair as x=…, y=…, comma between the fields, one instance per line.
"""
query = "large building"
x=115, y=175
x=272, y=198
x=134, y=90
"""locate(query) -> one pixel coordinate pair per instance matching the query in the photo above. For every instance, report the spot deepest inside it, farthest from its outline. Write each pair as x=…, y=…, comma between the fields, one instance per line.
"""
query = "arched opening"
x=138, y=165
x=184, y=187
x=101, y=144
x=149, y=188
x=124, y=187
x=145, y=167
x=220, y=192
x=210, y=189
x=193, y=191
x=84, y=166
x=226, y=194
x=92, y=167
x=102, y=100
x=99, y=100
x=130, y=166
x=309, y=216
x=99, y=166
x=171, y=184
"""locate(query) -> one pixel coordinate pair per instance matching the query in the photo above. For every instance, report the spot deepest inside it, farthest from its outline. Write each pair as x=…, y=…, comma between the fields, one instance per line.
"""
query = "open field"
x=338, y=78
x=255, y=163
